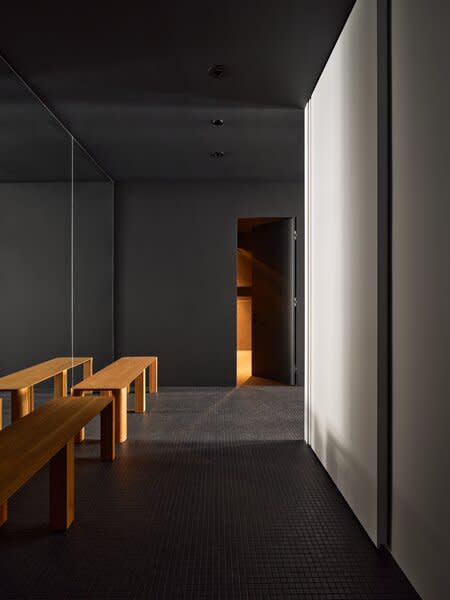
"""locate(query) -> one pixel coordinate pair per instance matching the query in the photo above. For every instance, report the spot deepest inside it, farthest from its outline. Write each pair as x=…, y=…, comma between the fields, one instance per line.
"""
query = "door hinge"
x=295, y=302
x=295, y=235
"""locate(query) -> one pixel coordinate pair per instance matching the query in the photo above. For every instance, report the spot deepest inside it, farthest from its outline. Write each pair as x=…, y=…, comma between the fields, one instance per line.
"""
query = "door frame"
x=295, y=279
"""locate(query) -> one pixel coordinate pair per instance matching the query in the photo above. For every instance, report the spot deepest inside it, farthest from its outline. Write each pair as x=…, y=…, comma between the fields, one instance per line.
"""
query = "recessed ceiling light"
x=217, y=122
x=217, y=154
x=217, y=71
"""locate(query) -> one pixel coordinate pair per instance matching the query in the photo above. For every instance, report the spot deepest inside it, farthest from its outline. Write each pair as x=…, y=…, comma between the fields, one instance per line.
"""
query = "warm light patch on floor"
x=244, y=366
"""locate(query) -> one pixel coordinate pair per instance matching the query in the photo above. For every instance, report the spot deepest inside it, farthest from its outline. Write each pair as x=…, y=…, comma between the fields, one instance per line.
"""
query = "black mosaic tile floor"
x=214, y=495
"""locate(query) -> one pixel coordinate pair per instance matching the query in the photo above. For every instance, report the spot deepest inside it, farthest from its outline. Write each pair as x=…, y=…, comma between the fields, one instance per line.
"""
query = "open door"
x=273, y=312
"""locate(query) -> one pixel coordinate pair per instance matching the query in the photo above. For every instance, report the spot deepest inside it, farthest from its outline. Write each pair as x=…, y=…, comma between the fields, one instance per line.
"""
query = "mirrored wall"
x=93, y=262
x=56, y=244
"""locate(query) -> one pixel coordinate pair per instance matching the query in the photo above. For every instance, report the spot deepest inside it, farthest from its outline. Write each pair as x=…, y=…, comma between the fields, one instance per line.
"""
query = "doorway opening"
x=265, y=301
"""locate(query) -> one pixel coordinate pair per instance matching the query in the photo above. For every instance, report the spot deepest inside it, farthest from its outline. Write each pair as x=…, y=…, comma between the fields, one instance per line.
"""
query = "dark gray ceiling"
x=131, y=82
x=34, y=145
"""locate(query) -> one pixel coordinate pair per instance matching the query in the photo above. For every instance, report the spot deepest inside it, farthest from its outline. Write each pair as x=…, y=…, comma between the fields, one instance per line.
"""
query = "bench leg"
x=120, y=402
x=4, y=506
x=20, y=403
x=31, y=398
x=108, y=432
x=62, y=488
x=3, y=513
x=60, y=385
x=154, y=377
x=81, y=435
x=139, y=393
x=87, y=369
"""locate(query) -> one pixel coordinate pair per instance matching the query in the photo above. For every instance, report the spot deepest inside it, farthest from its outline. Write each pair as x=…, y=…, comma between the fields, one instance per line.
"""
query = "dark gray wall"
x=93, y=220
x=176, y=272
x=34, y=273
x=421, y=292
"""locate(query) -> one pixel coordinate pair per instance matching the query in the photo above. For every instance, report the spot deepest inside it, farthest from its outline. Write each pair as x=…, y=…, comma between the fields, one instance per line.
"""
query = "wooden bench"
x=47, y=435
x=116, y=378
x=21, y=383
x=4, y=506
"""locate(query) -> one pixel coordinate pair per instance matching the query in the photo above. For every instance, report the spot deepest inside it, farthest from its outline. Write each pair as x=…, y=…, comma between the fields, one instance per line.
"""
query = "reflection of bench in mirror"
x=21, y=383
x=116, y=379
x=47, y=436
x=4, y=505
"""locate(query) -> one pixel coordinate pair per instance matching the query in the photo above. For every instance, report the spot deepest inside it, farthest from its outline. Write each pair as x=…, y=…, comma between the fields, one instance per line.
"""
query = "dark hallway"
x=214, y=496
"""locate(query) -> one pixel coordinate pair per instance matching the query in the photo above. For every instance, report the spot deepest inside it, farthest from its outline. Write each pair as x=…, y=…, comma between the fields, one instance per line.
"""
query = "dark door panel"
x=273, y=291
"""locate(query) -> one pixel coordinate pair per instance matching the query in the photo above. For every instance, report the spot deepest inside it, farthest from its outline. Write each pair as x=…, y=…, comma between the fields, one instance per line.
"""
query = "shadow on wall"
x=433, y=542
x=345, y=471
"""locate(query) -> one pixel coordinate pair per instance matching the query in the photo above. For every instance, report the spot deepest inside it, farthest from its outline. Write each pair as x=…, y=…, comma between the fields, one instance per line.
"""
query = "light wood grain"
x=27, y=445
x=117, y=378
x=31, y=398
x=118, y=374
x=139, y=393
x=87, y=368
x=20, y=403
x=120, y=400
x=4, y=506
x=81, y=435
x=60, y=384
x=41, y=372
x=154, y=376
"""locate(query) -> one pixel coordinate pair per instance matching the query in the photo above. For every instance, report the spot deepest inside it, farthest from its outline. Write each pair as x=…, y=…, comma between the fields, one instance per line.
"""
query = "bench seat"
x=21, y=383
x=116, y=378
x=47, y=435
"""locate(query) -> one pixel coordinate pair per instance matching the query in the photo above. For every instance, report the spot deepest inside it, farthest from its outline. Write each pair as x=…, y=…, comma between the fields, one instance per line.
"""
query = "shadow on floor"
x=195, y=507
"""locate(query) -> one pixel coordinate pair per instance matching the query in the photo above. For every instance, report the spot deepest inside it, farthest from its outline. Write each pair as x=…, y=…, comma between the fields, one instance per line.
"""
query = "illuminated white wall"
x=421, y=294
x=342, y=259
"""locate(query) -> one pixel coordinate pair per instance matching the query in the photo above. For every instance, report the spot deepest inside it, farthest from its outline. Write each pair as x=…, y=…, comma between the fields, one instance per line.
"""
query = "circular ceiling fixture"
x=219, y=154
x=217, y=122
x=217, y=71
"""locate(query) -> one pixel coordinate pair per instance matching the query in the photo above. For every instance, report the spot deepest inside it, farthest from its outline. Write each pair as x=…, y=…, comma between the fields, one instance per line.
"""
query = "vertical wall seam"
x=115, y=273
x=307, y=275
x=72, y=291
x=113, y=276
x=384, y=276
x=390, y=269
